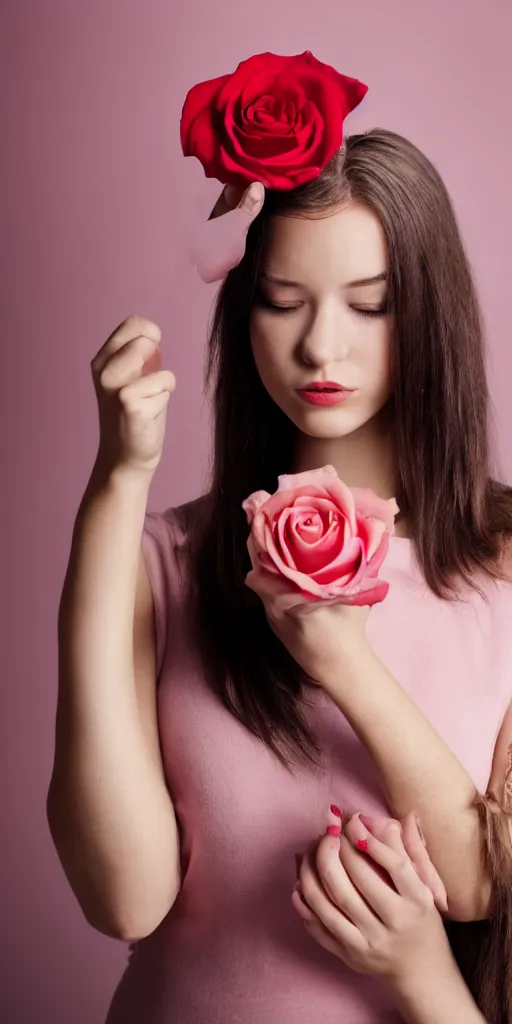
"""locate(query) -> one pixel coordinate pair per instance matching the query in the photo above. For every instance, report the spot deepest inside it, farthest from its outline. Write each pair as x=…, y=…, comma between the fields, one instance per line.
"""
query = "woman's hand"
x=322, y=636
x=367, y=901
x=218, y=244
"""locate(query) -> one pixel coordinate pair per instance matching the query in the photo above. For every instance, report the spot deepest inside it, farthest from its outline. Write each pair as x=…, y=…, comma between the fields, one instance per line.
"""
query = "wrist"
x=434, y=995
x=104, y=475
x=356, y=658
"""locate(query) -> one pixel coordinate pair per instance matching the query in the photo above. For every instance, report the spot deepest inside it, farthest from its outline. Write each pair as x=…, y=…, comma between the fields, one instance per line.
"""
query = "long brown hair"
x=458, y=514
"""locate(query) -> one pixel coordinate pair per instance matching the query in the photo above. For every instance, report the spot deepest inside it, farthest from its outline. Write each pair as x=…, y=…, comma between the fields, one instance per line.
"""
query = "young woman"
x=179, y=809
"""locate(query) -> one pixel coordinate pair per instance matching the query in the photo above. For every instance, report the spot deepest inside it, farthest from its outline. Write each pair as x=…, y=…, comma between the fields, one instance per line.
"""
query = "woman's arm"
x=442, y=999
x=419, y=771
x=109, y=811
x=416, y=767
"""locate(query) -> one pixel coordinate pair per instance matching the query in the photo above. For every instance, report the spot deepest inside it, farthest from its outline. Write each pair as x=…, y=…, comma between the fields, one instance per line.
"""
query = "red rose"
x=278, y=120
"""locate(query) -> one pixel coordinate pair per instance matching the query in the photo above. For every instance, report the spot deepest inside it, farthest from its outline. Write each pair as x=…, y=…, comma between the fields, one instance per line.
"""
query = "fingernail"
x=335, y=810
x=252, y=196
x=362, y=844
x=358, y=829
x=333, y=830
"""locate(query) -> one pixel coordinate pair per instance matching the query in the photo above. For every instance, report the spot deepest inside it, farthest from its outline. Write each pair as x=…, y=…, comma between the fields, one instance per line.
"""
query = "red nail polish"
x=362, y=844
x=335, y=810
x=333, y=830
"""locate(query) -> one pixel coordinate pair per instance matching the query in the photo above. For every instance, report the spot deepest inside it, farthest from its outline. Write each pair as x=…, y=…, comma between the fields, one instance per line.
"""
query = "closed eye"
x=381, y=311
x=274, y=307
x=362, y=311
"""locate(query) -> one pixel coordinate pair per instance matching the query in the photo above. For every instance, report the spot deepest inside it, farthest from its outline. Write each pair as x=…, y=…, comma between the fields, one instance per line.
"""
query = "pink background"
x=97, y=199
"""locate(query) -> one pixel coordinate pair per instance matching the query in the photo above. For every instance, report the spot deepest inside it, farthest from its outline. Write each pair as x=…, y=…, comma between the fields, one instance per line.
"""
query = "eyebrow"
x=361, y=283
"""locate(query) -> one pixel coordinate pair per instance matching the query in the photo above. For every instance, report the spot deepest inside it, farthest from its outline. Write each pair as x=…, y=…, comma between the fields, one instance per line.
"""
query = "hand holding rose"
x=316, y=548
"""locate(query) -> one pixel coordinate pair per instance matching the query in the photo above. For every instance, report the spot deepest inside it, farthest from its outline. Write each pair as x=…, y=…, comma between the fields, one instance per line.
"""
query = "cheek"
x=378, y=361
x=269, y=348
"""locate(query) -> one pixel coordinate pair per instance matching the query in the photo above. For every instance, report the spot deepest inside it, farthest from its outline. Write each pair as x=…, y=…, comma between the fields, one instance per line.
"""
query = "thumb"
x=252, y=199
x=416, y=849
x=218, y=245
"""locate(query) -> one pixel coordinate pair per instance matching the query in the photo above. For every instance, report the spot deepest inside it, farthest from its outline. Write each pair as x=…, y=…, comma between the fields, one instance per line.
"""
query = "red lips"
x=324, y=385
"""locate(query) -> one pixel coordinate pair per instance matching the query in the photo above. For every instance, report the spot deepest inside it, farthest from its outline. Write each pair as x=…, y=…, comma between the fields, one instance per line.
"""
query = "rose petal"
x=371, y=532
x=372, y=592
x=370, y=506
x=377, y=559
x=314, y=545
x=348, y=566
x=254, y=502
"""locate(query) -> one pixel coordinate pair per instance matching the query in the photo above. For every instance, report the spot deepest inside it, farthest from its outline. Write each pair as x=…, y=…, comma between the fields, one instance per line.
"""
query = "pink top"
x=232, y=949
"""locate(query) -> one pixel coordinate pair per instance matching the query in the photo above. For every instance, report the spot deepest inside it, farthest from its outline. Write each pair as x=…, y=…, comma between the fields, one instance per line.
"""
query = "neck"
x=365, y=458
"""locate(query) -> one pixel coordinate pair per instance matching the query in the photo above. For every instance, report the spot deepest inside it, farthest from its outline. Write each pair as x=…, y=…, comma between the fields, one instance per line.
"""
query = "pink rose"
x=328, y=539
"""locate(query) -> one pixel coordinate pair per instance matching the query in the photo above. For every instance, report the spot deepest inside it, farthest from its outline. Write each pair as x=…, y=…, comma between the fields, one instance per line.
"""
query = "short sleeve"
x=160, y=545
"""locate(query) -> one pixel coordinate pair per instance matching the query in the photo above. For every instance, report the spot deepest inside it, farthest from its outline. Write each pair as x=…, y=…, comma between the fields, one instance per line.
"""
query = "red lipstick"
x=325, y=392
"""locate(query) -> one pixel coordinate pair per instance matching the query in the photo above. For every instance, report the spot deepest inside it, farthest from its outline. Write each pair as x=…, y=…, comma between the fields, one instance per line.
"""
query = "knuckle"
x=132, y=320
x=402, y=865
x=392, y=827
x=143, y=326
x=128, y=400
x=105, y=378
x=426, y=899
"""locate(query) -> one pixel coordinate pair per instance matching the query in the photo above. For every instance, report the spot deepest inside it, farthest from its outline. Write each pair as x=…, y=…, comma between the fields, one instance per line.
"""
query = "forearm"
x=108, y=809
x=419, y=771
x=436, y=999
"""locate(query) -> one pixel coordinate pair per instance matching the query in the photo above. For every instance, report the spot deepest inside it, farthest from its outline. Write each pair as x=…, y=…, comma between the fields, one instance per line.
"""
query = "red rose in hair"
x=278, y=120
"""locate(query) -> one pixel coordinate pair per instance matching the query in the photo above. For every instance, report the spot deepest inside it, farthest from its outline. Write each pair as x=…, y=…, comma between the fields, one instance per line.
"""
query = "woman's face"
x=328, y=323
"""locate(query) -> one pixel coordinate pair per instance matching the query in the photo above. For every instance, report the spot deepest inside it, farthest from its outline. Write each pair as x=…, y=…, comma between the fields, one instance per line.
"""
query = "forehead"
x=347, y=245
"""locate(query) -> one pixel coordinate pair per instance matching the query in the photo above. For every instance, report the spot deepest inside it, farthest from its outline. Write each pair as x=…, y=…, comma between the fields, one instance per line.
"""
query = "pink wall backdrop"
x=96, y=200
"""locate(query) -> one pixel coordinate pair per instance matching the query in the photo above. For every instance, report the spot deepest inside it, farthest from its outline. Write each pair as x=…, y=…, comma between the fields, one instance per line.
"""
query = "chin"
x=329, y=424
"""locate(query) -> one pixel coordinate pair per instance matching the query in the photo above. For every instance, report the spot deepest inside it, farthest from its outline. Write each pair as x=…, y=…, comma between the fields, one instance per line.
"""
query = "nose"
x=327, y=339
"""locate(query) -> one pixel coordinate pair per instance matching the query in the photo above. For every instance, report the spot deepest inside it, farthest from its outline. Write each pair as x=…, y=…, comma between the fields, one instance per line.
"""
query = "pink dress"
x=232, y=949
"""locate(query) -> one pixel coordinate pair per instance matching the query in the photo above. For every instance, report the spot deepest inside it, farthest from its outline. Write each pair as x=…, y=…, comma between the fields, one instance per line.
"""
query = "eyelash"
x=370, y=313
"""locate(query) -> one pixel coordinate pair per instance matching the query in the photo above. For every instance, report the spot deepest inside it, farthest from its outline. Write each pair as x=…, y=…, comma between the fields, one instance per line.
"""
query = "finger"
x=131, y=328
x=405, y=837
x=162, y=382
x=228, y=200
x=154, y=404
x=318, y=931
x=340, y=888
x=371, y=881
x=336, y=918
x=387, y=830
x=218, y=245
x=277, y=591
x=397, y=865
x=416, y=849
x=269, y=585
x=126, y=365
x=249, y=199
